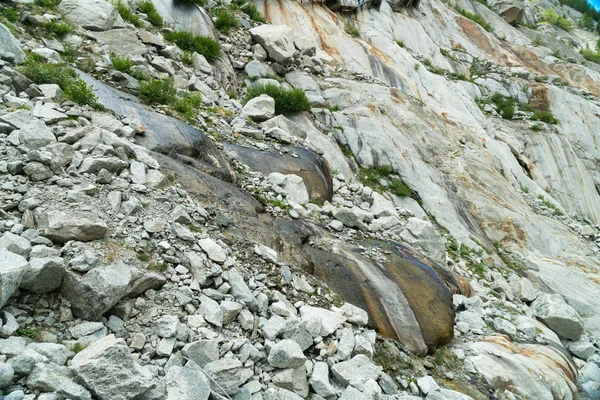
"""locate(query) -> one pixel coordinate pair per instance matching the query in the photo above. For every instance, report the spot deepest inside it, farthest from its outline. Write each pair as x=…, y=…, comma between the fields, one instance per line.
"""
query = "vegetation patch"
x=374, y=176
x=187, y=58
x=555, y=210
x=286, y=101
x=153, y=16
x=189, y=42
x=250, y=10
x=158, y=91
x=122, y=64
x=475, y=18
x=225, y=20
x=352, y=30
x=128, y=15
x=200, y=3
x=550, y=16
x=74, y=88
x=11, y=14
x=591, y=55
x=544, y=116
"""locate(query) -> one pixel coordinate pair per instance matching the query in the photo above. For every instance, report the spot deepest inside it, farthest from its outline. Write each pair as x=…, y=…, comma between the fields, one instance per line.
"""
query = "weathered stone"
x=557, y=315
x=44, y=275
x=54, y=378
x=227, y=373
x=213, y=250
x=259, y=108
x=326, y=321
x=36, y=134
x=355, y=371
x=319, y=380
x=9, y=46
x=13, y=269
x=103, y=288
x=16, y=244
x=286, y=354
x=293, y=379
x=108, y=370
x=277, y=40
x=95, y=15
x=202, y=352
x=187, y=383
x=60, y=227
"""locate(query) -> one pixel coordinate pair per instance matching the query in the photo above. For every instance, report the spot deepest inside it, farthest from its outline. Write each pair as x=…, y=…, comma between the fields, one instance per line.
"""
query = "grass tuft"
x=187, y=41
x=475, y=18
x=225, y=20
x=153, y=16
x=128, y=15
x=122, y=64
x=250, y=10
x=286, y=101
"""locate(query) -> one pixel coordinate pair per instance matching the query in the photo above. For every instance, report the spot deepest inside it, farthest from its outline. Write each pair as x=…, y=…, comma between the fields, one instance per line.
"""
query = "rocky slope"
x=406, y=238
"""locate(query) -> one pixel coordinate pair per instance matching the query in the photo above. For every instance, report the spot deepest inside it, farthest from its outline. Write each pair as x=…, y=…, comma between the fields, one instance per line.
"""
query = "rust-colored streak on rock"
x=540, y=97
x=479, y=37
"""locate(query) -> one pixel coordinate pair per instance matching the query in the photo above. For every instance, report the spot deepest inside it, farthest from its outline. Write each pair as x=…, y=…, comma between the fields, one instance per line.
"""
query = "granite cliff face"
x=419, y=221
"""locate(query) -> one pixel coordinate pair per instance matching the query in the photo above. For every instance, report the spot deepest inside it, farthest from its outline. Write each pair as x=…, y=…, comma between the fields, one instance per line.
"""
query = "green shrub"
x=504, y=105
x=587, y=21
x=201, y=3
x=188, y=104
x=351, y=30
x=536, y=128
x=400, y=43
x=74, y=88
x=122, y=64
x=286, y=101
x=250, y=10
x=11, y=14
x=591, y=55
x=225, y=20
x=47, y=3
x=187, y=58
x=475, y=18
x=127, y=14
x=187, y=41
x=372, y=177
x=551, y=17
x=153, y=16
x=544, y=116
x=158, y=91
x=58, y=28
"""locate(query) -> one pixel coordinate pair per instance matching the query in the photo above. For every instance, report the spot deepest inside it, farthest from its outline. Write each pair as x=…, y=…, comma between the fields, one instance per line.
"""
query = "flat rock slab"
x=122, y=42
x=60, y=227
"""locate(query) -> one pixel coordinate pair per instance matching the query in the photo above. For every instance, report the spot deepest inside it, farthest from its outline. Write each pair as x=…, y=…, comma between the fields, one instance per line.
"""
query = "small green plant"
x=157, y=91
x=69, y=52
x=128, y=15
x=225, y=20
x=544, y=116
x=373, y=176
x=286, y=101
x=250, y=10
x=552, y=206
x=504, y=105
x=143, y=256
x=201, y=3
x=417, y=66
x=400, y=43
x=58, y=28
x=171, y=177
x=47, y=3
x=153, y=16
x=28, y=333
x=352, y=30
x=551, y=17
x=11, y=14
x=188, y=105
x=122, y=64
x=537, y=41
x=78, y=348
x=536, y=127
x=232, y=94
x=591, y=55
x=187, y=58
x=74, y=88
x=187, y=41
x=158, y=266
x=475, y=18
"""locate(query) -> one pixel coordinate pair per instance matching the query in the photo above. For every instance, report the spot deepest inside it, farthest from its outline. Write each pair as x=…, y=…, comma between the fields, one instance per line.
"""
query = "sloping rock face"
x=187, y=17
x=164, y=134
x=383, y=122
x=9, y=46
x=517, y=367
x=313, y=169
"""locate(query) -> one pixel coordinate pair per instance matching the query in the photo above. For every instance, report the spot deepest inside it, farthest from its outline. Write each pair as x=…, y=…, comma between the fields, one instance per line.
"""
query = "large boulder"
x=36, y=134
x=422, y=235
x=511, y=10
x=557, y=315
x=44, y=275
x=95, y=15
x=94, y=293
x=292, y=184
x=13, y=268
x=277, y=40
x=187, y=383
x=9, y=46
x=60, y=227
x=108, y=371
x=260, y=108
